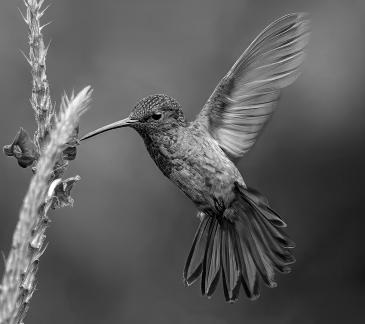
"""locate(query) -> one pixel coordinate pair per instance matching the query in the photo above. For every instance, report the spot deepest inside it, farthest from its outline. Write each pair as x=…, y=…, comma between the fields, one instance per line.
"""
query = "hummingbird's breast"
x=193, y=160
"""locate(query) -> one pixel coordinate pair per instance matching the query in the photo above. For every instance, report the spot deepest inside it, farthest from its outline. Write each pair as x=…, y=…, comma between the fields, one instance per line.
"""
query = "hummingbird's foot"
x=200, y=215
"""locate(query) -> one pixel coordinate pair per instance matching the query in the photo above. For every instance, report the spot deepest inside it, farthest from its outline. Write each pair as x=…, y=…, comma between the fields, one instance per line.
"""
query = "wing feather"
x=246, y=97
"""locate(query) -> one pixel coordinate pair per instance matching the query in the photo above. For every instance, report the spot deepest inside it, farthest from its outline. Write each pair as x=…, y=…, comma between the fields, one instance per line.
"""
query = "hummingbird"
x=240, y=238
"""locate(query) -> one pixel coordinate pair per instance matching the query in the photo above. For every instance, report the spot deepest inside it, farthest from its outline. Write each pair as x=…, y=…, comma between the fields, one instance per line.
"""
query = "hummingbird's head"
x=150, y=115
x=156, y=112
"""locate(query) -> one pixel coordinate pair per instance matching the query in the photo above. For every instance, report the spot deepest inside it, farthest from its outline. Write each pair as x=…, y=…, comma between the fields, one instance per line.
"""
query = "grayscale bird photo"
x=174, y=161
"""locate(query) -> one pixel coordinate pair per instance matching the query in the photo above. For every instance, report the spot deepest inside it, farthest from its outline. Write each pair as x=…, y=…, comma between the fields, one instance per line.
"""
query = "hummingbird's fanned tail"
x=248, y=244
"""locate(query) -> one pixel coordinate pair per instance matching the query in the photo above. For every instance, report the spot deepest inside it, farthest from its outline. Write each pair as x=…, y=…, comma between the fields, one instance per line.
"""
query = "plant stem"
x=40, y=98
x=18, y=282
x=51, y=138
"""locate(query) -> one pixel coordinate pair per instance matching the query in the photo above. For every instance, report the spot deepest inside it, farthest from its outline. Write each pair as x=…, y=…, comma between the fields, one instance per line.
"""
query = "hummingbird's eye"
x=156, y=116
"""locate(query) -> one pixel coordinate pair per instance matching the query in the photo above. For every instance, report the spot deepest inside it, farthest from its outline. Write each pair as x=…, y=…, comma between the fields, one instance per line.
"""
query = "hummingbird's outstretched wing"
x=245, y=98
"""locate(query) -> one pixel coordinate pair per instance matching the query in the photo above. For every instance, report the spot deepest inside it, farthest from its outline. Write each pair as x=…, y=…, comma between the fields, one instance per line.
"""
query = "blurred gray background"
x=118, y=255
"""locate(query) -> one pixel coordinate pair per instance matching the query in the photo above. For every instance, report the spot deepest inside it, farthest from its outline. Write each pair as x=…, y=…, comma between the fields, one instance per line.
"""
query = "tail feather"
x=211, y=262
x=262, y=261
x=261, y=205
x=241, y=247
x=193, y=267
x=277, y=234
x=249, y=273
x=278, y=257
x=230, y=264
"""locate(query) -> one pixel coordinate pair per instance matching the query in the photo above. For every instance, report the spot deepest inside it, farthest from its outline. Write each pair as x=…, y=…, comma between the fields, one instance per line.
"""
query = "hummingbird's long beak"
x=120, y=123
